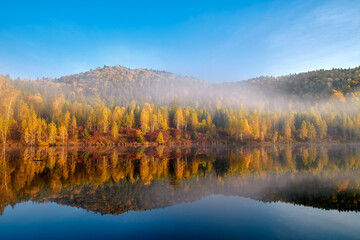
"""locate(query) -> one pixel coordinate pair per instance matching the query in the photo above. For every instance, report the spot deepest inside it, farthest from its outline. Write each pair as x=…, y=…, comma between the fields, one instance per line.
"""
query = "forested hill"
x=118, y=85
x=125, y=76
x=317, y=84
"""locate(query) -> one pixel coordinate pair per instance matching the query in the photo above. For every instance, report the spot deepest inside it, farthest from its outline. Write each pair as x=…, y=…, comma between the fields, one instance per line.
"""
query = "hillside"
x=118, y=85
x=8, y=92
x=317, y=84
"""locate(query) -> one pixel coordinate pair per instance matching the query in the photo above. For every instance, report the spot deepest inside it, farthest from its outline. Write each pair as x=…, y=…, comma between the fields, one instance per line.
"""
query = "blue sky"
x=211, y=40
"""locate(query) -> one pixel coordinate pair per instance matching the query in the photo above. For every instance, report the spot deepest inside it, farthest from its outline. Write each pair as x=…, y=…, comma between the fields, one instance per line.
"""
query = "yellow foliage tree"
x=179, y=118
x=160, y=138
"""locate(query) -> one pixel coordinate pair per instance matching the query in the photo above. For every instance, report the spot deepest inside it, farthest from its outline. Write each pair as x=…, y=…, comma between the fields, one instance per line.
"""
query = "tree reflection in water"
x=119, y=180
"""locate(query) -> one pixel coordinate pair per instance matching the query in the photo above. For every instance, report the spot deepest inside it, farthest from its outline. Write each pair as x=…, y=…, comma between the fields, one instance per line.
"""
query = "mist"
x=122, y=86
x=122, y=106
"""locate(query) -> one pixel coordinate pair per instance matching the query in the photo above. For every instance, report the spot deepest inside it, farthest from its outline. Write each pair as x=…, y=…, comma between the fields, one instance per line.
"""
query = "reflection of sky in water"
x=211, y=217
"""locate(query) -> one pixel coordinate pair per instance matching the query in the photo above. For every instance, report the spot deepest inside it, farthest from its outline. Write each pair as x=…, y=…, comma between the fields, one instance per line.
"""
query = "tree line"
x=44, y=116
x=65, y=121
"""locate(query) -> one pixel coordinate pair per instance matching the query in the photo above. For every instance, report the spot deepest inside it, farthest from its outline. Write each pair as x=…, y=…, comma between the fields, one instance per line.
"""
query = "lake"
x=224, y=192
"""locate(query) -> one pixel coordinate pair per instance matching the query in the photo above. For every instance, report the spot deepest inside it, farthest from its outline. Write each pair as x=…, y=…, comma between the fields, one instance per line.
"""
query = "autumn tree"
x=104, y=120
x=255, y=128
x=163, y=118
x=5, y=121
x=63, y=133
x=118, y=115
x=114, y=130
x=303, y=130
x=144, y=120
x=3, y=129
x=129, y=119
x=323, y=129
x=160, y=138
x=244, y=128
x=275, y=136
x=287, y=130
x=29, y=127
x=22, y=111
x=52, y=131
x=91, y=119
x=154, y=122
x=41, y=133
x=186, y=115
x=208, y=120
x=179, y=118
x=194, y=120
x=57, y=107
x=74, y=131
x=312, y=132
x=263, y=130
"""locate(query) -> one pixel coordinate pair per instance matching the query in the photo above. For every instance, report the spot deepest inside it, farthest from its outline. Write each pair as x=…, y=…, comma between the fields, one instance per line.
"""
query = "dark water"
x=274, y=192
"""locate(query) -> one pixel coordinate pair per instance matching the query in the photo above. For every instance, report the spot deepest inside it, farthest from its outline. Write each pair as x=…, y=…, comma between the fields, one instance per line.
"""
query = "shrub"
x=85, y=156
x=86, y=134
x=175, y=132
x=194, y=135
x=140, y=139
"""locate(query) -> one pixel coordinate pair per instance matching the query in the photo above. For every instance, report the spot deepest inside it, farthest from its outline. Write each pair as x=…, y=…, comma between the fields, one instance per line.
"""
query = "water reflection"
x=118, y=180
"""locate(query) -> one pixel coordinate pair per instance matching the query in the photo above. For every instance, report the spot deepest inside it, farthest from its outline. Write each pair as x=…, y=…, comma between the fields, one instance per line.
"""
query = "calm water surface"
x=273, y=192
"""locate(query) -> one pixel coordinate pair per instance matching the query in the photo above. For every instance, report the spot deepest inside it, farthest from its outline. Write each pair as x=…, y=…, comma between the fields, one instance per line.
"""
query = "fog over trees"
x=108, y=102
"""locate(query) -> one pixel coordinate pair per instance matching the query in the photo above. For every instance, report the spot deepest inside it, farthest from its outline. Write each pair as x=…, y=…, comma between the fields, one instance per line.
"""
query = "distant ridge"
x=121, y=85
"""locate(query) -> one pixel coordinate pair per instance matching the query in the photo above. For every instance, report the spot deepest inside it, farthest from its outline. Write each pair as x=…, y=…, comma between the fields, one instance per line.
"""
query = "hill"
x=118, y=85
x=319, y=84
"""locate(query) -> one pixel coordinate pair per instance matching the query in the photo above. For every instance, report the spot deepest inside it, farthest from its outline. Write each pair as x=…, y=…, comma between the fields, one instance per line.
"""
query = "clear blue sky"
x=212, y=40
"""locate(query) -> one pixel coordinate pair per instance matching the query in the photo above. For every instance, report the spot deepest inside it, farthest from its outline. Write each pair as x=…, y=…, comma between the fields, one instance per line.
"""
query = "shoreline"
x=189, y=144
